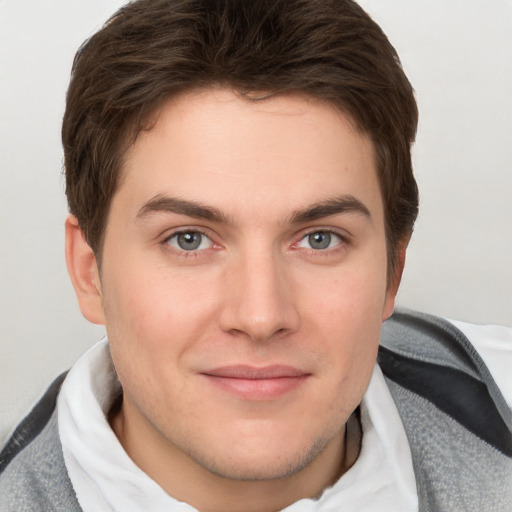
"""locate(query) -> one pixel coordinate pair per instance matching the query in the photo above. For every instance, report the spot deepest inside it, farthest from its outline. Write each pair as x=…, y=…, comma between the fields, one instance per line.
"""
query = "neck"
x=186, y=480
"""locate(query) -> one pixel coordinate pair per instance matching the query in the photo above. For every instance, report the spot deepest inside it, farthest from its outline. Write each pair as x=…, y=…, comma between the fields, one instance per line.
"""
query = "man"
x=241, y=196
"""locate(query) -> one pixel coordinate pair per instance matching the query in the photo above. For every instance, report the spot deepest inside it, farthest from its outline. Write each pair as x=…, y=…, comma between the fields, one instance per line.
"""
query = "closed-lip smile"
x=257, y=383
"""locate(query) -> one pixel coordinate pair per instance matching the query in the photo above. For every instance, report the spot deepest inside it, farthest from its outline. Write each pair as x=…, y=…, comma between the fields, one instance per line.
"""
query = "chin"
x=263, y=460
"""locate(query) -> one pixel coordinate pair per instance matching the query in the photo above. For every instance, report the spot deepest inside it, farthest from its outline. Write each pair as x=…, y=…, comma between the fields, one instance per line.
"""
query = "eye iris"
x=189, y=241
x=319, y=240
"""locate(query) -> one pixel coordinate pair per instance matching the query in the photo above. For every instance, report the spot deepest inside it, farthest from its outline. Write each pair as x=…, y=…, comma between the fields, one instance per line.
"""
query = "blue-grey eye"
x=190, y=241
x=320, y=240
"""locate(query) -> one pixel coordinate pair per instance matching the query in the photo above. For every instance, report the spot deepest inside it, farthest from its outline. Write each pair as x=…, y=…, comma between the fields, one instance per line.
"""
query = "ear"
x=394, y=279
x=84, y=273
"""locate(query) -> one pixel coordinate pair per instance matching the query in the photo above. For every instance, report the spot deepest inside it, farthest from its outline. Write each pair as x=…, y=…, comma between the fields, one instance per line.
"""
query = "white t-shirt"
x=382, y=479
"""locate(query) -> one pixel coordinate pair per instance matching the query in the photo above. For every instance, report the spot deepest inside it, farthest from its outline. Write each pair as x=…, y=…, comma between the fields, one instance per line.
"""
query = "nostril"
x=252, y=335
x=238, y=333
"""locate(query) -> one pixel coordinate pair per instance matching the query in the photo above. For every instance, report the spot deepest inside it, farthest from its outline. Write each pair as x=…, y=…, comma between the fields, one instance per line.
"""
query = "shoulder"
x=432, y=358
x=34, y=477
x=457, y=422
x=494, y=345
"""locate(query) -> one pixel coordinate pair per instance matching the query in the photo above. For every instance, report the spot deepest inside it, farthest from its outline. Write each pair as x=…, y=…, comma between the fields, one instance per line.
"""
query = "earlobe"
x=394, y=280
x=84, y=273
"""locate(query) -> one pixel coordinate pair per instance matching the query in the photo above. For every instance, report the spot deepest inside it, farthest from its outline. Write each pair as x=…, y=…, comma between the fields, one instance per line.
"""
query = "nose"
x=259, y=302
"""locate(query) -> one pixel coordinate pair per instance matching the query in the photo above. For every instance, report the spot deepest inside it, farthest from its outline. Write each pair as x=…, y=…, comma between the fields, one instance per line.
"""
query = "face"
x=243, y=281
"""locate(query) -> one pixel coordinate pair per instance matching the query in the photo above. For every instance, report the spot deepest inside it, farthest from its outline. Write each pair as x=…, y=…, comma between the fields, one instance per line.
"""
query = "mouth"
x=257, y=383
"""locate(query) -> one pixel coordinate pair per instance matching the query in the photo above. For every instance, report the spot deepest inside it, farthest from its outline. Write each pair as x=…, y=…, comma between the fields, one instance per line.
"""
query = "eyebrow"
x=333, y=206
x=166, y=204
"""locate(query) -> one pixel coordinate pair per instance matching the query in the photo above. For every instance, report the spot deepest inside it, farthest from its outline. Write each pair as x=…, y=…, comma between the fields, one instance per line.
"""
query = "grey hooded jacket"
x=457, y=422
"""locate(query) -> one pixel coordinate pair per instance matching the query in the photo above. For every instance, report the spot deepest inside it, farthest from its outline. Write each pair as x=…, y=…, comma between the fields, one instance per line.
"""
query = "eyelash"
x=183, y=253
x=344, y=241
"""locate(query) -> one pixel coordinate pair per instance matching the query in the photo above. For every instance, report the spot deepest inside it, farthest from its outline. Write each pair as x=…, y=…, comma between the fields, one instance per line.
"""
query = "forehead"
x=237, y=154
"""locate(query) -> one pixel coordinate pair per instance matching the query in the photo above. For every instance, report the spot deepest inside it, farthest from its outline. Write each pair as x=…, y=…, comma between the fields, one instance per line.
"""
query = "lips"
x=256, y=383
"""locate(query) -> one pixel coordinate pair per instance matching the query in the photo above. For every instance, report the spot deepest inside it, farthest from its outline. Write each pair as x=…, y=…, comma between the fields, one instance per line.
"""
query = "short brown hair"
x=151, y=50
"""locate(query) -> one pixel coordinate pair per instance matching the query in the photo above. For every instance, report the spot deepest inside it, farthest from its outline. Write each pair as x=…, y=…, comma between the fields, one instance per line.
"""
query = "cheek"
x=350, y=299
x=152, y=323
x=348, y=315
x=156, y=321
x=151, y=306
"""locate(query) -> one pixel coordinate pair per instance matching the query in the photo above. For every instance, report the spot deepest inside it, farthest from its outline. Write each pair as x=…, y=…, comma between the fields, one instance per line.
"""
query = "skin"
x=258, y=291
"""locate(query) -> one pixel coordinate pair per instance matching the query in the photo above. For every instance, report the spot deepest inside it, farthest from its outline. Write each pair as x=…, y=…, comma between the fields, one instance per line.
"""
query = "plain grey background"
x=458, y=55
